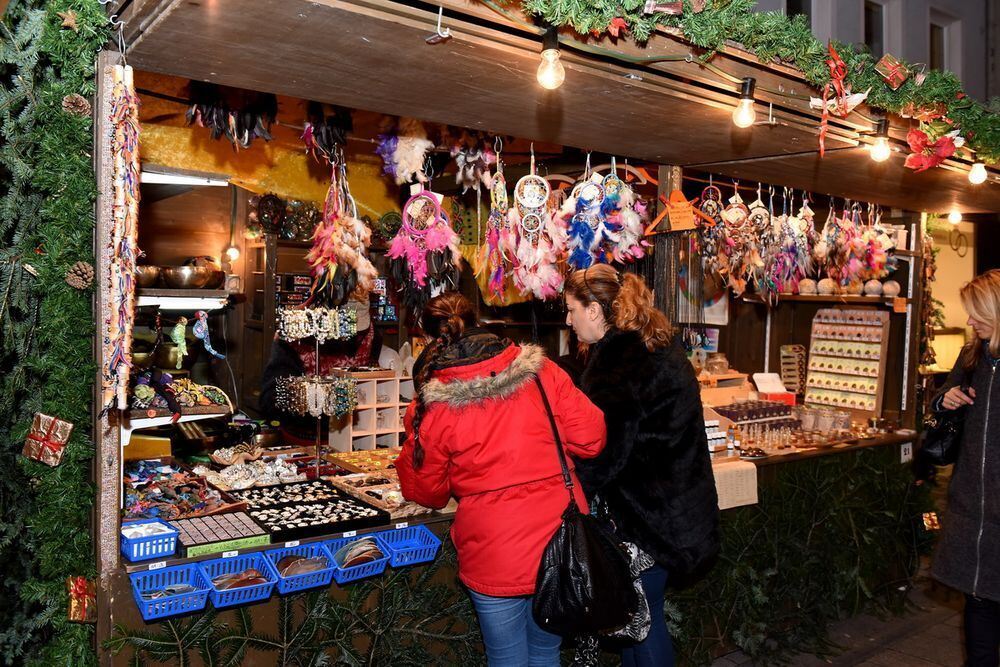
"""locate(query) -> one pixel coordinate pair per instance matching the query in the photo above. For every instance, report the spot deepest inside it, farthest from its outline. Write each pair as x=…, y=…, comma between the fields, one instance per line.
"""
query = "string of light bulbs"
x=551, y=74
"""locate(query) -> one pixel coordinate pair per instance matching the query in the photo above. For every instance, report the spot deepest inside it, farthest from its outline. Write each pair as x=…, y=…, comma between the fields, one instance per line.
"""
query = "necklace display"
x=322, y=323
x=333, y=396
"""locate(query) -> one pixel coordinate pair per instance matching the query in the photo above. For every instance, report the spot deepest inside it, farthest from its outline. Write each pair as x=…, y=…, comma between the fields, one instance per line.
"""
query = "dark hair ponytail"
x=444, y=318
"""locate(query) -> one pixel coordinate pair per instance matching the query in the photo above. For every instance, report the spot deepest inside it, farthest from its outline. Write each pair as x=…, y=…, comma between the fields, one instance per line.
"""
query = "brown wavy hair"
x=444, y=319
x=625, y=300
x=981, y=299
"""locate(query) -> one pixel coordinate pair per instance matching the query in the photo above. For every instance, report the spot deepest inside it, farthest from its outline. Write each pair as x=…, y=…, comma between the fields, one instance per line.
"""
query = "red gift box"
x=82, y=600
x=47, y=439
x=894, y=72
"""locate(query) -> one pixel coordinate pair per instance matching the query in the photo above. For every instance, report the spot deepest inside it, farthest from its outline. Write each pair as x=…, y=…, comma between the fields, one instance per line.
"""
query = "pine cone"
x=76, y=105
x=80, y=275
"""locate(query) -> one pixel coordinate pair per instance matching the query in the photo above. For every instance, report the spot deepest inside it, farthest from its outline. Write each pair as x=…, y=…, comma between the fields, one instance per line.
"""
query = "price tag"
x=400, y=526
x=899, y=304
x=350, y=533
x=230, y=554
x=158, y=566
x=293, y=543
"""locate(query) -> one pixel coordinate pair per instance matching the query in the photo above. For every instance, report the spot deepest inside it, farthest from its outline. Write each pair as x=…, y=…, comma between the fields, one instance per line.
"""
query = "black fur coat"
x=655, y=473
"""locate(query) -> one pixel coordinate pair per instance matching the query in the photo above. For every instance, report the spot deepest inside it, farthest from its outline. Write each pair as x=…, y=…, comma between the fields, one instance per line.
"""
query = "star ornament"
x=69, y=18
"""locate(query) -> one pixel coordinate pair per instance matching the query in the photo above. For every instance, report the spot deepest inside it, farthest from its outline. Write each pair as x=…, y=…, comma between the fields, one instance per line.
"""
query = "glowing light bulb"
x=744, y=114
x=955, y=217
x=978, y=173
x=880, y=150
x=233, y=253
x=551, y=72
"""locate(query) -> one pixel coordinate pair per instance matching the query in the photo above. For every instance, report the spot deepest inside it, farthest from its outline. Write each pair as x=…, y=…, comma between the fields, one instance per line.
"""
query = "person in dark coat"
x=967, y=557
x=655, y=474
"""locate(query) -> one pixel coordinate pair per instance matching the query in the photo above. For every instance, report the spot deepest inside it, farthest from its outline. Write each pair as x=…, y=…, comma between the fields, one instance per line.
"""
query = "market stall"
x=274, y=223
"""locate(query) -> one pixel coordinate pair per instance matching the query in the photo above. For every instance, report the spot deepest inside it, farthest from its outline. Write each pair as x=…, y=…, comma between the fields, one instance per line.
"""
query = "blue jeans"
x=511, y=636
x=656, y=650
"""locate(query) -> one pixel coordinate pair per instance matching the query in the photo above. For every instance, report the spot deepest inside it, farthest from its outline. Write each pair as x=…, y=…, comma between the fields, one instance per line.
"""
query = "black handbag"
x=584, y=582
x=942, y=437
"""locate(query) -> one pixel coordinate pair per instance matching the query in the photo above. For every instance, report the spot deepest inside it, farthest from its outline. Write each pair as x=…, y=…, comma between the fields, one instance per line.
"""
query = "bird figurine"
x=200, y=329
x=177, y=335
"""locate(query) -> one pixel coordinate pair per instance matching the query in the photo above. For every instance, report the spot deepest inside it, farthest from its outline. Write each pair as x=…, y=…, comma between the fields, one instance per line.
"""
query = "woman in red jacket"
x=479, y=432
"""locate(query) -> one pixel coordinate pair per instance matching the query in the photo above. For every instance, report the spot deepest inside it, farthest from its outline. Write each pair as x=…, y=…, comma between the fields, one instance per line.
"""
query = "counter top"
x=815, y=452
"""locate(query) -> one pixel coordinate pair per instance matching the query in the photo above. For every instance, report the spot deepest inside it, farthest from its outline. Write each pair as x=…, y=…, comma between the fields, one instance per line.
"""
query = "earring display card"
x=847, y=359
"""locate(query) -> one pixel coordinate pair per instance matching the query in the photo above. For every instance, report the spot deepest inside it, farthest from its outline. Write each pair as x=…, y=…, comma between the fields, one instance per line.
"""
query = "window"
x=936, y=58
x=797, y=7
x=875, y=28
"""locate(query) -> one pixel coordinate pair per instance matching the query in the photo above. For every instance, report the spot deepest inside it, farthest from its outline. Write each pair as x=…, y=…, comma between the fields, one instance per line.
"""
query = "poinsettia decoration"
x=617, y=26
x=928, y=153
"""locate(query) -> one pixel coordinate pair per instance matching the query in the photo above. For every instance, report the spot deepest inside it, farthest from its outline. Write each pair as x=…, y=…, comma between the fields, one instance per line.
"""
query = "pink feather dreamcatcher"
x=539, y=239
x=424, y=255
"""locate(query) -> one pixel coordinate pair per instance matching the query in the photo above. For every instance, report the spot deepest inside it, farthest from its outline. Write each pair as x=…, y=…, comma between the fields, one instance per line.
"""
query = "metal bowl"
x=186, y=277
x=217, y=280
x=147, y=276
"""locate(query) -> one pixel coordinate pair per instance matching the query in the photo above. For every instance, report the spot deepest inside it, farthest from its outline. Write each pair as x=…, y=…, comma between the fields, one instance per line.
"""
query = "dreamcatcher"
x=493, y=254
x=879, y=260
x=712, y=232
x=539, y=239
x=738, y=251
x=424, y=255
x=340, y=267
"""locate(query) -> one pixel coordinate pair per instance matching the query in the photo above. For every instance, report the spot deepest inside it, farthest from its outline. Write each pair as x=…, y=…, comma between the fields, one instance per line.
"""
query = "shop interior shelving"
x=182, y=299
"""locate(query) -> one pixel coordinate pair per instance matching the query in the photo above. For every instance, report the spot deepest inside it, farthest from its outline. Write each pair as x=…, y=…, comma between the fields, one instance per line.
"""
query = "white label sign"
x=350, y=533
x=158, y=566
x=293, y=543
x=400, y=526
x=230, y=554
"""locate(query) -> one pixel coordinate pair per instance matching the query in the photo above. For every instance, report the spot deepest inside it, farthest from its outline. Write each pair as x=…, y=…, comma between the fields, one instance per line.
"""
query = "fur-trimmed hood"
x=496, y=377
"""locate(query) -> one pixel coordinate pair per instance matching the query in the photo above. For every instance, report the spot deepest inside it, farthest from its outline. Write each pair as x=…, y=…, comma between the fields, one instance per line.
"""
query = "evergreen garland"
x=47, y=223
x=775, y=37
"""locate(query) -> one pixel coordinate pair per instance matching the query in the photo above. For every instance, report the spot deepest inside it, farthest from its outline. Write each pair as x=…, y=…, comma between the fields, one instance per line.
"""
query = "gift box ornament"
x=46, y=441
x=82, y=600
x=892, y=70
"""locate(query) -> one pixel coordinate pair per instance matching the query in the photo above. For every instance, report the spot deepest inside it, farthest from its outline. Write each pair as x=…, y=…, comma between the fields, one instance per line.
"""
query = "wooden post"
x=106, y=435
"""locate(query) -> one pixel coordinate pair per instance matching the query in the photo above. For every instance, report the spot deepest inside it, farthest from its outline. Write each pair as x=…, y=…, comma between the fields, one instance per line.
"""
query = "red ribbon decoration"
x=78, y=590
x=838, y=73
x=45, y=441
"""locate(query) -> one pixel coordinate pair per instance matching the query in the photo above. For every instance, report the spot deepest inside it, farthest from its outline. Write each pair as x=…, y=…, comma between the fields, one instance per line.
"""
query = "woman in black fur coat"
x=655, y=474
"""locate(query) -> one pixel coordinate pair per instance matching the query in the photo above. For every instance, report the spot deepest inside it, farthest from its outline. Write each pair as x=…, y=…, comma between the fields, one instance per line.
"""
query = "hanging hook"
x=116, y=23
x=497, y=144
x=440, y=34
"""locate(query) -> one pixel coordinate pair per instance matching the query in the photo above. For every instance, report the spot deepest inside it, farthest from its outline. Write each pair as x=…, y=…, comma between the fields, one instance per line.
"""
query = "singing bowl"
x=186, y=277
x=147, y=276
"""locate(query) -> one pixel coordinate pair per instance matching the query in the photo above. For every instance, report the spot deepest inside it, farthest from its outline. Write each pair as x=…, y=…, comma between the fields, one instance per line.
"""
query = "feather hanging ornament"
x=340, y=266
x=495, y=255
x=323, y=135
x=540, y=240
x=424, y=255
x=412, y=145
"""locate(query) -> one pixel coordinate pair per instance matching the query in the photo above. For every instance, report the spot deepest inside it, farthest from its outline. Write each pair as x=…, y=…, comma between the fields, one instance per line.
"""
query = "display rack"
x=377, y=421
x=847, y=355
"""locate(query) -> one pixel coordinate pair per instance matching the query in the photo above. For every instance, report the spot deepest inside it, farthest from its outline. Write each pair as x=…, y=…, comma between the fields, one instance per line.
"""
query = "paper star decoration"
x=69, y=20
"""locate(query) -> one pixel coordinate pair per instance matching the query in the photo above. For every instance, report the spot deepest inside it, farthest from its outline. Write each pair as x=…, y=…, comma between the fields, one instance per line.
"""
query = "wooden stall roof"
x=372, y=55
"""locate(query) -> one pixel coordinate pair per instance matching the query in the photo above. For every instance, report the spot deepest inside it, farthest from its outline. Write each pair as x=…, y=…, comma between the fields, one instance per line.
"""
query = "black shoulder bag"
x=943, y=431
x=584, y=583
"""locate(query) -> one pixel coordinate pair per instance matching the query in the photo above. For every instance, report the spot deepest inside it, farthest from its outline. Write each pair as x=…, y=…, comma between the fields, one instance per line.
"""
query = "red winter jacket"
x=488, y=442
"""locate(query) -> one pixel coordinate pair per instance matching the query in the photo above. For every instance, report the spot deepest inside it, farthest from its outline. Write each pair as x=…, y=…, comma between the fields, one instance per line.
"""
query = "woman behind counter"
x=655, y=474
x=479, y=432
x=968, y=556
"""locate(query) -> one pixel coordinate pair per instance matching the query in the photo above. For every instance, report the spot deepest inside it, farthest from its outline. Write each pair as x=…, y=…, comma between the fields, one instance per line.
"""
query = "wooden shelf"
x=843, y=299
x=182, y=299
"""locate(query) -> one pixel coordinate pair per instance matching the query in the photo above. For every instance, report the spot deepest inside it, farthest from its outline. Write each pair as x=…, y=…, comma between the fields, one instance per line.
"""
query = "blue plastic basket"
x=153, y=546
x=175, y=604
x=234, y=596
x=411, y=545
x=299, y=582
x=344, y=575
